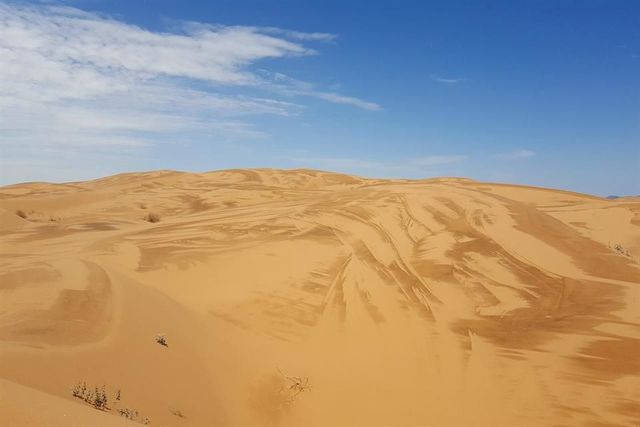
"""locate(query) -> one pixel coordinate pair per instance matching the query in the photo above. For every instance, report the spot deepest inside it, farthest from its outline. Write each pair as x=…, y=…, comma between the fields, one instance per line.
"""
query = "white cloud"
x=292, y=87
x=348, y=100
x=297, y=35
x=76, y=42
x=446, y=80
x=518, y=154
x=78, y=79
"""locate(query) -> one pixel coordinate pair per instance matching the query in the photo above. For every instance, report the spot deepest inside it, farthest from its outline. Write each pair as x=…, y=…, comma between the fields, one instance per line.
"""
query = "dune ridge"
x=436, y=302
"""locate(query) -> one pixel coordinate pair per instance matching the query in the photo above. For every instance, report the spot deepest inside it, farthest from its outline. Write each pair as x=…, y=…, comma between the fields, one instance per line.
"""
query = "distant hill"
x=613, y=196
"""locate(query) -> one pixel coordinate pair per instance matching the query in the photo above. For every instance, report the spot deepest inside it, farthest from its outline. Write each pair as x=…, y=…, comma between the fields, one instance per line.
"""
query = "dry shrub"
x=275, y=394
x=160, y=339
x=178, y=413
x=98, y=399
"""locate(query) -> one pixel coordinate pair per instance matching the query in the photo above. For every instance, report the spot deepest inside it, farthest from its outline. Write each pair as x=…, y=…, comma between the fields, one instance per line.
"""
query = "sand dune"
x=444, y=302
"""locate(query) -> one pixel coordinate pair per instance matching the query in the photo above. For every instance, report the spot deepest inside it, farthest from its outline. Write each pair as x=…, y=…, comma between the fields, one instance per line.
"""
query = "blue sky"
x=534, y=92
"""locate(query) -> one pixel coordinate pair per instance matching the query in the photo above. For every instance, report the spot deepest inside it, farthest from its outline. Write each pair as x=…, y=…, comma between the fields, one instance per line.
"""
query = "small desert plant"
x=88, y=397
x=133, y=415
x=152, y=217
x=160, y=339
x=130, y=414
x=80, y=390
x=100, y=399
x=97, y=397
x=297, y=385
x=276, y=393
x=22, y=214
x=177, y=413
x=620, y=250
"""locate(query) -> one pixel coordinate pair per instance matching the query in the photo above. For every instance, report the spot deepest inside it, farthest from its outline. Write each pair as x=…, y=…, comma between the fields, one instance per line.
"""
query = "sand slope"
x=444, y=302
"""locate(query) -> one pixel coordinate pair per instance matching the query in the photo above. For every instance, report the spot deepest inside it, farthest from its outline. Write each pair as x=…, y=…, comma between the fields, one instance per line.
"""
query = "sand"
x=443, y=302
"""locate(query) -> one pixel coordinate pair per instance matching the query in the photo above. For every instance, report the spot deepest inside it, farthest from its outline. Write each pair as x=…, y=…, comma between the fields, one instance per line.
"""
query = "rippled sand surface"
x=307, y=298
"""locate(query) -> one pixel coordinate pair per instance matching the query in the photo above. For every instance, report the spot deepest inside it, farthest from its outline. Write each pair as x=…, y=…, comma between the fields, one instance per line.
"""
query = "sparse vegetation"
x=160, y=339
x=274, y=395
x=177, y=413
x=620, y=250
x=296, y=385
x=130, y=414
x=79, y=390
x=134, y=415
x=98, y=399
x=152, y=217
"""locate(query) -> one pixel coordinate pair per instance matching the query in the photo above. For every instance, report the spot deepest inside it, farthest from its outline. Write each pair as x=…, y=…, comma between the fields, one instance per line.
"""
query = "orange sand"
x=443, y=302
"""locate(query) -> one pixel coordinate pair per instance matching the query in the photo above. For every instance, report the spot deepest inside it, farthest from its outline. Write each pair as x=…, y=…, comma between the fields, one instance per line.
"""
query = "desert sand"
x=399, y=303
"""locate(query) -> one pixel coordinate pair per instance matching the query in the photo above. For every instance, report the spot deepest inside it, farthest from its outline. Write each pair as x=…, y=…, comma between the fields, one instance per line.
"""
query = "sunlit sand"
x=307, y=298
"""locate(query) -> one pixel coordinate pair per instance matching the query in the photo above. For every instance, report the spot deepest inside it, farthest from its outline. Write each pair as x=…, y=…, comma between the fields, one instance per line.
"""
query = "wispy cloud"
x=297, y=35
x=513, y=155
x=347, y=100
x=69, y=77
x=447, y=80
x=293, y=87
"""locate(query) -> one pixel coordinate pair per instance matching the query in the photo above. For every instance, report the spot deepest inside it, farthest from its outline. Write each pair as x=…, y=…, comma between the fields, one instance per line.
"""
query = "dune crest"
x=441, y=302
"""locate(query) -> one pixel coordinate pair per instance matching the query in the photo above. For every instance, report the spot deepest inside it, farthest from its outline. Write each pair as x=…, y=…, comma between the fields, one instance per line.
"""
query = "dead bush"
x=275, y=394
x=160, y=339
x=178, y=413
x=98, y=399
